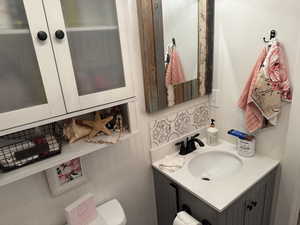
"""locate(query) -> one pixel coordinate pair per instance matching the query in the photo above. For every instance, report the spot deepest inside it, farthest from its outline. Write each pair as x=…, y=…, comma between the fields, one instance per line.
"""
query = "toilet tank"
x=110, y=213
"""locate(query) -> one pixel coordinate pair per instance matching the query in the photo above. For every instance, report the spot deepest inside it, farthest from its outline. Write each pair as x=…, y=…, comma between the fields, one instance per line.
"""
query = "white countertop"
x=221, y=193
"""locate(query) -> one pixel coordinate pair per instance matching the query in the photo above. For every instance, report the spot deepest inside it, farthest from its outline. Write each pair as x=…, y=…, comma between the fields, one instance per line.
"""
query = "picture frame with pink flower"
x=66, y=176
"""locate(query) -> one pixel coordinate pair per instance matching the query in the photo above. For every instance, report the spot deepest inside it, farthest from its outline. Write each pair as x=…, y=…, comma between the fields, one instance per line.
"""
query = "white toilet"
x=112, y=213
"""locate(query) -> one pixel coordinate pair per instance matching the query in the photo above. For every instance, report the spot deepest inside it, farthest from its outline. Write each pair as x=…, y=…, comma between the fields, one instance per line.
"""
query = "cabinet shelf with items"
x=69, y=152
x=60, y=59
x=81, y=147
x=129, y=101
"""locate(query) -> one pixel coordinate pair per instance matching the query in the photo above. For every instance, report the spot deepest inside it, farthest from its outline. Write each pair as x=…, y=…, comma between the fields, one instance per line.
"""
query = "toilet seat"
x=112, y=212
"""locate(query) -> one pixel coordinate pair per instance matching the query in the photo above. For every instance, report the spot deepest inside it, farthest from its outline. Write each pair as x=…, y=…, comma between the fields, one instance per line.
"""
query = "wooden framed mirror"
x=177, y=38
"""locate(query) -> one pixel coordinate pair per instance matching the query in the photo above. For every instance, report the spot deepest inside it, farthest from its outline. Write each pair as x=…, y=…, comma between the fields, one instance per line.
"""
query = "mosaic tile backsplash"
x=178, y=124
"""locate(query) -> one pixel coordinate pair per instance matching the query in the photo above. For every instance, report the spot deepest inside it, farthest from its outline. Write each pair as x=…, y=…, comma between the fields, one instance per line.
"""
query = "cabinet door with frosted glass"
x=90, y=41
x=29, y=83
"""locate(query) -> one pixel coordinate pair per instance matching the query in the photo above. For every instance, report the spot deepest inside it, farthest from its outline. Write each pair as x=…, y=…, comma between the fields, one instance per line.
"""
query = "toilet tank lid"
x=112, y=212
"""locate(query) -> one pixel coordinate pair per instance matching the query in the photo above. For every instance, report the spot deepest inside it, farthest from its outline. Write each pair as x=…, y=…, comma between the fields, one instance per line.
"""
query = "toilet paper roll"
x=184, y=218
x=178, y=221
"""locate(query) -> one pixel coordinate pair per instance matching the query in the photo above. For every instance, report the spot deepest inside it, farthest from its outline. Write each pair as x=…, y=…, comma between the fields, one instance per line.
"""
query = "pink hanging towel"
x=253, y=116
x=276, y=70
x=272, y=85
x=174, y=74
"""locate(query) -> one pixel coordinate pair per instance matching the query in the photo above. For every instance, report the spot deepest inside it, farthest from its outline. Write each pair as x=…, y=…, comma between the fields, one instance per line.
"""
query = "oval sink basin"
x=213, y=165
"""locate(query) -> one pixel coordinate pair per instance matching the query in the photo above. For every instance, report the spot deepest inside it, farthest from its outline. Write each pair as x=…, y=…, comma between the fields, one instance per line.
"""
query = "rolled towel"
x=172, y=163
x=183, y=218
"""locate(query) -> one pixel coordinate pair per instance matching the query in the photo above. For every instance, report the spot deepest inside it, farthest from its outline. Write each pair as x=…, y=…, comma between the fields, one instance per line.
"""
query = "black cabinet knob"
x=42, y=35
x=205, y=222
x=59, y=34
x=254, y=203
x=249, y=207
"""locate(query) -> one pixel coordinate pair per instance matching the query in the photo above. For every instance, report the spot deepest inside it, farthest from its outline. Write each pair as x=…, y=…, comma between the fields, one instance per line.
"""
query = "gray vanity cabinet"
x=252, y=208
x=166, y=199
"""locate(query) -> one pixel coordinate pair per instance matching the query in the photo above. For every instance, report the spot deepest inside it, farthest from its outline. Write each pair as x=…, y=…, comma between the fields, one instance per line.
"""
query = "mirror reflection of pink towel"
x=174, y=74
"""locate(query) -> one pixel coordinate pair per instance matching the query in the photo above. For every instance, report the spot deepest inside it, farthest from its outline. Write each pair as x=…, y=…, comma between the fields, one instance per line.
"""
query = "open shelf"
x=69, y=152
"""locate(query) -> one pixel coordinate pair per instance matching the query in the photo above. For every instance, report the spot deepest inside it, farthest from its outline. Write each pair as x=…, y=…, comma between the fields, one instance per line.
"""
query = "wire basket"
x=29, y=146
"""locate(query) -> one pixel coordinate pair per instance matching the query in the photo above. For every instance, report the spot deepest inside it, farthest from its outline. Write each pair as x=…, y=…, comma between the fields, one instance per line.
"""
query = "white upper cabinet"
x=90, y=42
x=29, y=84
x=61, y=56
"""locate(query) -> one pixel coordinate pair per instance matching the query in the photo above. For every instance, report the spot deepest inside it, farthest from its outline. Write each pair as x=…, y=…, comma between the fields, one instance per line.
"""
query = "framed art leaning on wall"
x=66, y=176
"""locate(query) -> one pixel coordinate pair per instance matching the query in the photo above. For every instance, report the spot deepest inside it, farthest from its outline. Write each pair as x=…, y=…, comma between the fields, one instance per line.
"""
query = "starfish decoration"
x=98, y=125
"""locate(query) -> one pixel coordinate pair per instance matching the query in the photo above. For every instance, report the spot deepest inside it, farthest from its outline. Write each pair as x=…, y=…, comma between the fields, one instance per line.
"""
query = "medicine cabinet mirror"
x=177, y=50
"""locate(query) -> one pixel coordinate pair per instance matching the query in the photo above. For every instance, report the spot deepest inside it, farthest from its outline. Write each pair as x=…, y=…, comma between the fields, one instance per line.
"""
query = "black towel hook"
x=174, y=41
x=273, y=34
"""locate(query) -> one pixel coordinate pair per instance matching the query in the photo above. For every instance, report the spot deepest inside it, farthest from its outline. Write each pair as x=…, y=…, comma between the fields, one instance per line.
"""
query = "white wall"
x=180, y=20
x=289, y=195
x=240, y=26
x=122, y=171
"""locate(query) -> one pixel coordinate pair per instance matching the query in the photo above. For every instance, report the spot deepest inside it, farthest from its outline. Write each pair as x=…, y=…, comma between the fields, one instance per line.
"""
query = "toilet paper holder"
x=185, y=207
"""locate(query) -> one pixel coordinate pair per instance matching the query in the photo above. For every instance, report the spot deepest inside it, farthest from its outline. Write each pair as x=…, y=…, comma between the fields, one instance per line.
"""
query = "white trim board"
x=65, y=116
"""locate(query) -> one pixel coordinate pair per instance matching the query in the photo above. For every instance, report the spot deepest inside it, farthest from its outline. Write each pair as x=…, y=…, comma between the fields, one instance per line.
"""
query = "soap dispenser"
x=212, y=134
